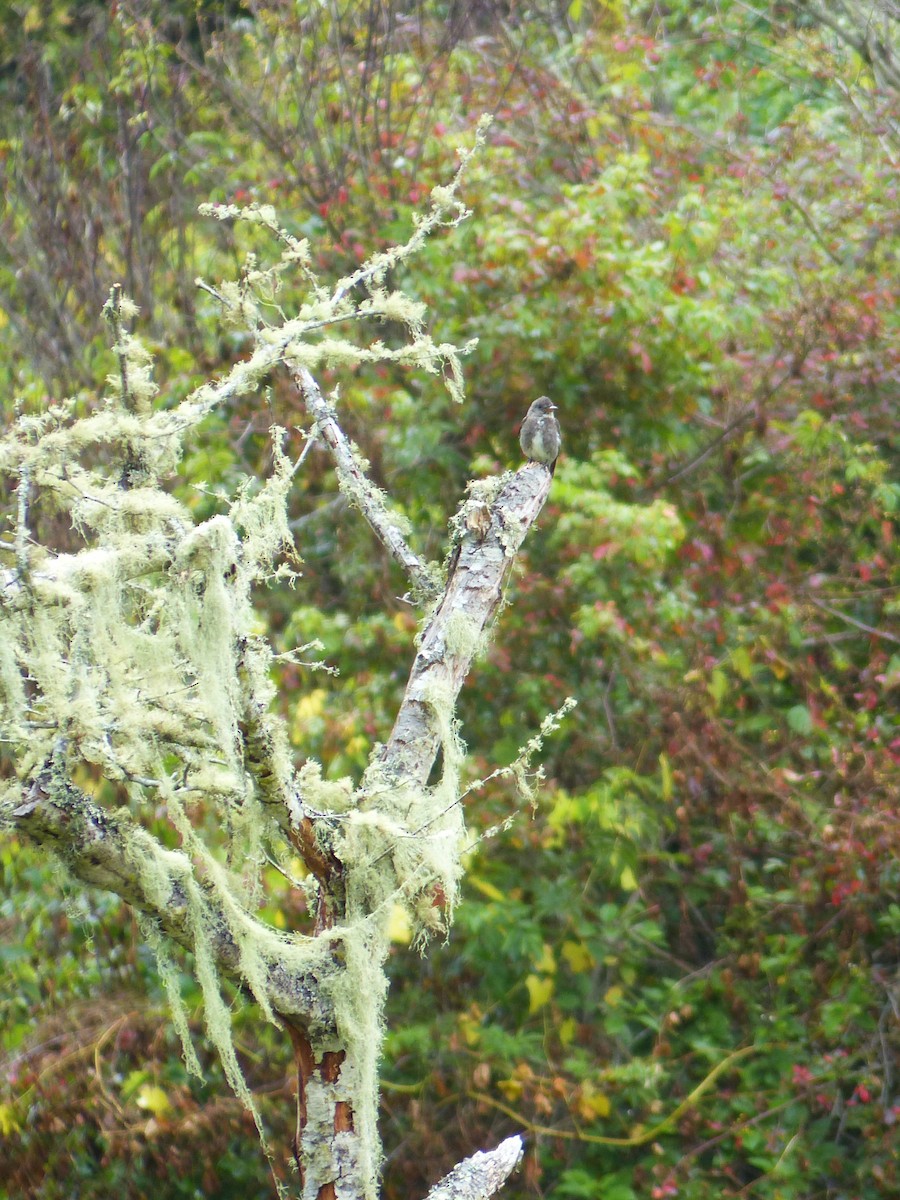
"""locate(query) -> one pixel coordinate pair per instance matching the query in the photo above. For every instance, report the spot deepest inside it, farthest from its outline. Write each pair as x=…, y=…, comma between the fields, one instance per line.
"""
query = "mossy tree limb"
x=100, y=847
x=493, y=531
x=360, y=489
x=413, y=852
x=130, y=656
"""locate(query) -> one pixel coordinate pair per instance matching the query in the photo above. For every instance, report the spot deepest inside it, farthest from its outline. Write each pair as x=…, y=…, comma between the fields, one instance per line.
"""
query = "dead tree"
x=134, y=658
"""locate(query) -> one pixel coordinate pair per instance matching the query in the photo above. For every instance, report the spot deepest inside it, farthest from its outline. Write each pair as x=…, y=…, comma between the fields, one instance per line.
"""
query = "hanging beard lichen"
x=135, y=659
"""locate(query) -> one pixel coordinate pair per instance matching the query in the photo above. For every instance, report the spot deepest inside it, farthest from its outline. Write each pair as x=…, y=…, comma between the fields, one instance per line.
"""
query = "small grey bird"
x=540, y=437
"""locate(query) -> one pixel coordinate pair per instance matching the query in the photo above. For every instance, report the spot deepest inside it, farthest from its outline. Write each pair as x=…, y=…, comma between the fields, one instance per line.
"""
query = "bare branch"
x=856, y=32
x=746, y=414
x=842, y=616
x=355, y=484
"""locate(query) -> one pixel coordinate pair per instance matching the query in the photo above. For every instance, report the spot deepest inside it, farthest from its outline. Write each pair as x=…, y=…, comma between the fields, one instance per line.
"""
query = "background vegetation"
x=679, y=975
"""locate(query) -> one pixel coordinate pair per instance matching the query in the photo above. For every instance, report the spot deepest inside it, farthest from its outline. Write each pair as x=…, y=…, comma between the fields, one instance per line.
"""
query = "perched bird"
x=540, y=437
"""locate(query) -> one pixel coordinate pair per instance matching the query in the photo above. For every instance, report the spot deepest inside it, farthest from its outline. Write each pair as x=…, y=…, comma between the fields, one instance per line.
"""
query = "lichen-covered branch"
x=492, y=532
x=130, y=653
x=267, y=756
x=403, y=840
x=480, y=1176
x=107, y=849
x=359, y=488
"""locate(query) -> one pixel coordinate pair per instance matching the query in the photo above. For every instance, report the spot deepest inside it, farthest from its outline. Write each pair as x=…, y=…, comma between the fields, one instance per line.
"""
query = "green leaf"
x=718, y=686
x=742, y=662
x=799, y=719
x=628, y=880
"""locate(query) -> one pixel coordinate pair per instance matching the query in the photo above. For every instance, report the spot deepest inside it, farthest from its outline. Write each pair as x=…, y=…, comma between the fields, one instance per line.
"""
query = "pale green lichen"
x=521, y=769
x=464, y=636
x=474, y=514
x=138, y=655
x=168, y=973
x=324, y=795
x=139, y=647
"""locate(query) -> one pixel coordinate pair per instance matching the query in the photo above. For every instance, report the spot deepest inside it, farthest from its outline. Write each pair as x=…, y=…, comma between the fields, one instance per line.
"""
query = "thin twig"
x=22, y=519
x=842, y=616
x=640, y=1139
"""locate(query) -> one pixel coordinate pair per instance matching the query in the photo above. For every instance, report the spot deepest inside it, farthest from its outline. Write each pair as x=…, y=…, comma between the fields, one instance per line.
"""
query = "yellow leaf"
x=539, y=992
x=486, y=889
x=511, y=1088
x=628, y=880
x=8, y=1122
x=577, y=956
x=742, y=662
x=310, y=705
x=567, y=1031
x=718, y=686
x=152, y=1097
x=613, y=997
x=471, y=1030
x=32, y=20
x=398, y=926
x=546, y=963
x=596, y=1105
x=666, y=772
